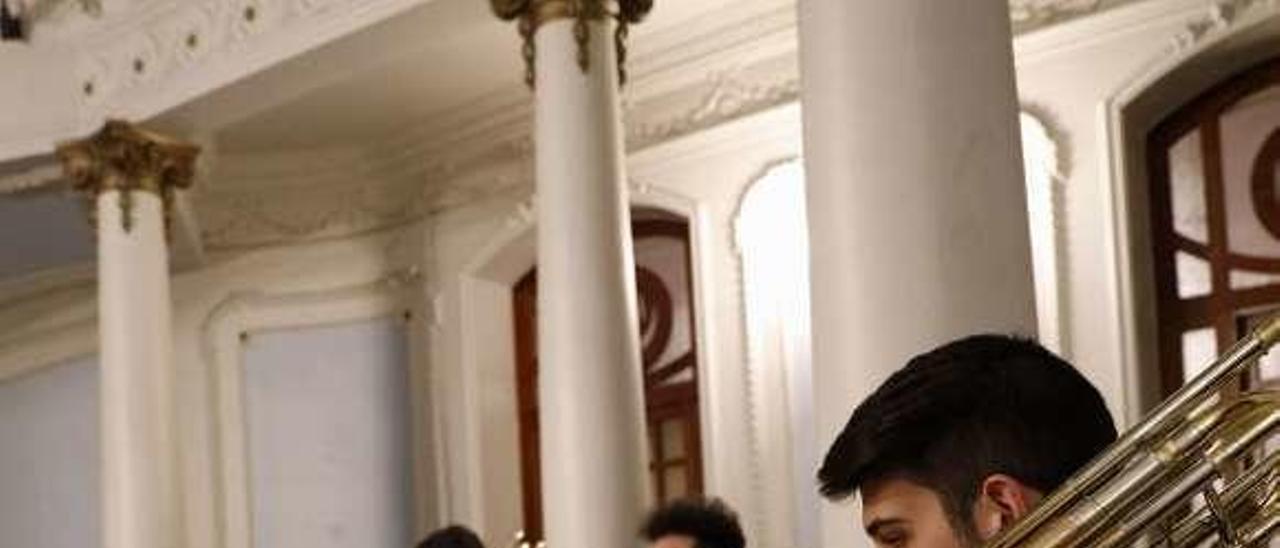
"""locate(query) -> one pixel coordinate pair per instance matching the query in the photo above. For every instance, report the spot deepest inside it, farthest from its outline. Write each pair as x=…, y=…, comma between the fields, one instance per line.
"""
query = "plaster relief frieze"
x=274, y=201
x=276, y=216
x=160, y=43
x=1029, y=15
x=155, y=50
x=724, y=97
x=1219, y=17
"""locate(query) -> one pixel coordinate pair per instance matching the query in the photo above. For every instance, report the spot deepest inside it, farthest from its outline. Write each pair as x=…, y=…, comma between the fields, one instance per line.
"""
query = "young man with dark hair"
x=965, y=440
x=693, y=523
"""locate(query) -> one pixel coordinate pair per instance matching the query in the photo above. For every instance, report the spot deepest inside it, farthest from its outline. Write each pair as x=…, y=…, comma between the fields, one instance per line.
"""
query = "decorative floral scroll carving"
x=727, y=97
x=124, y=158
x=1220, y=15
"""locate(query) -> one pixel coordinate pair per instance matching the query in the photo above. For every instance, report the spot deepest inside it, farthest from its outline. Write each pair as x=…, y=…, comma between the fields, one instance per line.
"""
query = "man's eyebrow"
x=880, y=523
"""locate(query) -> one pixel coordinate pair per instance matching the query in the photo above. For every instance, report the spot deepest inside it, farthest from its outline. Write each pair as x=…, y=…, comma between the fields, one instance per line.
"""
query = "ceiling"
x=424, y=63
x=434, y=59
x=406, y=72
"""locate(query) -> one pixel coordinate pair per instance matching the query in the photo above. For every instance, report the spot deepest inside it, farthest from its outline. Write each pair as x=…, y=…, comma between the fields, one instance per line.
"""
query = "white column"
x=594, y=457
x=917, y=215
x=126, y=171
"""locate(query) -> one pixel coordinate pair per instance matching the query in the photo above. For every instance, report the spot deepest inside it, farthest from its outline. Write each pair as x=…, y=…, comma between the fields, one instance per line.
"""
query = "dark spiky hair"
x=983, y=405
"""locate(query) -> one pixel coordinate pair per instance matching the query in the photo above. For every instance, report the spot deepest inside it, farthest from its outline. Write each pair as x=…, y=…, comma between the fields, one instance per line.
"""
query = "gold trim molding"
x=126, y=158
x=530, y=15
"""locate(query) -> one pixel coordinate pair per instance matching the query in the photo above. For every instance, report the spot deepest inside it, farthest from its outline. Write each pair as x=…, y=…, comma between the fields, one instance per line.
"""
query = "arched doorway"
x=1215, y=221
x=664, y=290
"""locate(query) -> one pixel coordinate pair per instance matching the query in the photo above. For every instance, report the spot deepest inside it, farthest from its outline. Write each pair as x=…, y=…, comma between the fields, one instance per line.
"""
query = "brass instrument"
x=1194, y=472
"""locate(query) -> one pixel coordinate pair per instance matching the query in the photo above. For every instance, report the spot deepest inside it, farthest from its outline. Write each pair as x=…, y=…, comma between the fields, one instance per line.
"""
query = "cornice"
x=724, y=97
x=39, y=176
x=714, y=70
x=281, y=203
x=153, y=54
x=1032, y=15
x=743, y=65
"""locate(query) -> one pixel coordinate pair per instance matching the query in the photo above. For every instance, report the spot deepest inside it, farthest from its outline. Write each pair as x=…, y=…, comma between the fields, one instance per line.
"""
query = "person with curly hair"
x=693, y=523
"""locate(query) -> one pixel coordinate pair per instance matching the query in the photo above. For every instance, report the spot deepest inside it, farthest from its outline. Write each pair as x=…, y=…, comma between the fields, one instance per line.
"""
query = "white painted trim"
x=29, y=285
x=240, y=314
x=1121, y=291
x=32, y=351
x=1052, y=273
x=709, y=396
x=768, y=510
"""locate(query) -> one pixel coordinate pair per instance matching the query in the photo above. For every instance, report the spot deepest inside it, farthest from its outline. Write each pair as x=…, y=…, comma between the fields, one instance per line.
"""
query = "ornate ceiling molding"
x=475, y=152
x=160, y=40
x=485, y=149
x=1030, y=15
x=177, y=39
x=167, y=52
x=1219, y=16
x=269, y=201
x=725, y=97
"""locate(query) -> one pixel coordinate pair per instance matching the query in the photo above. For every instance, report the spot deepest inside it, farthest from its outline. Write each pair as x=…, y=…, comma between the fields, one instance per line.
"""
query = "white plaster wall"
x=313, y=284
x=478, y=413
x=1079, y=75
x=48, y=457
x=327, y=410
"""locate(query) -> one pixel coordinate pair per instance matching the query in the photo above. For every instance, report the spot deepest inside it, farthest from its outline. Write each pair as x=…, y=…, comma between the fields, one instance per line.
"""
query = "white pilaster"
x=593, y=449
x=917, y=215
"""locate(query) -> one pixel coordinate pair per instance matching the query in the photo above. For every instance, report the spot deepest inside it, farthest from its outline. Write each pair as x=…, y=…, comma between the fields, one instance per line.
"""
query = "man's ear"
x=1002, y=500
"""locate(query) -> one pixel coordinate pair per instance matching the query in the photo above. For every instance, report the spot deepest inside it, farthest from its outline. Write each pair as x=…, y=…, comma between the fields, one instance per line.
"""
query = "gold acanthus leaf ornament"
x=532, y=14
x=125, y=158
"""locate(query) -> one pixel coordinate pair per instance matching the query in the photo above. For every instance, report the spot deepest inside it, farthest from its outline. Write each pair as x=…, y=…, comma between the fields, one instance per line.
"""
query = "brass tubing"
x=1149, y=470
x=1038, y=530
x=1199, y=473
x=1194, y=529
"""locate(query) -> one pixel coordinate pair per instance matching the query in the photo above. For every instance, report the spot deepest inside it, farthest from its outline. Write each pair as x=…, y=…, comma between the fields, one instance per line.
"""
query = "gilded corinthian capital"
x=125, y=158
x=532, y=14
